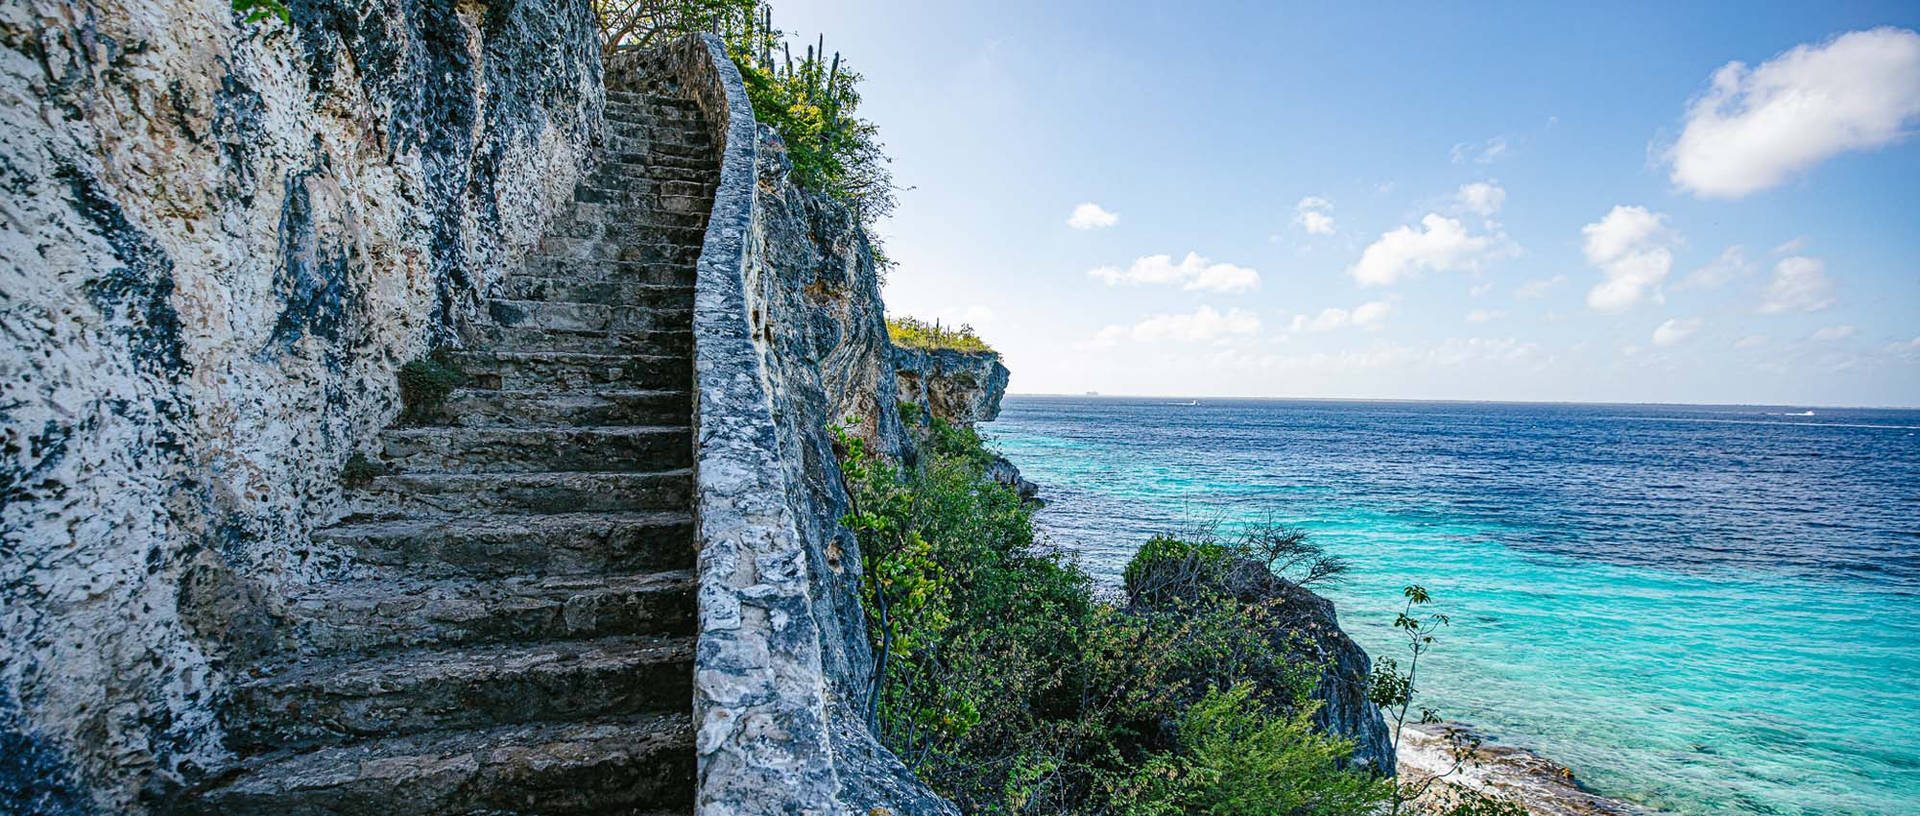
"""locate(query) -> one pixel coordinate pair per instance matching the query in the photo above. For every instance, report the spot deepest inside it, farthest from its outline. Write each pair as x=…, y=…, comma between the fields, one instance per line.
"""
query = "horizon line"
x=1102, y=395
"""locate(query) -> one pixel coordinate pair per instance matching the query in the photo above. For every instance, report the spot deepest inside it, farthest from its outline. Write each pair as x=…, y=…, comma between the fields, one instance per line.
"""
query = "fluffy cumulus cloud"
x=1675, y=330
x=1754, y=127
x=1192, y=272
x=1091, y=216
x=1485, y=315
x=1371, y=315
x=1482, y=197
x=1632, y=248
x=1202, y=325
x=1798, y=284
x=1438, y=244
x=1312, y=215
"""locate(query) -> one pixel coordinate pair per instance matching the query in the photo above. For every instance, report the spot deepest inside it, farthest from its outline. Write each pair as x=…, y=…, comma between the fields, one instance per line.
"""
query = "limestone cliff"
x=221, y=238
x=964, y=387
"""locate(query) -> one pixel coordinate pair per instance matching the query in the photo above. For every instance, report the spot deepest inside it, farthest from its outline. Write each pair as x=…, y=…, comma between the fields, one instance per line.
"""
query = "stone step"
x=705, y=175
x=584, y=408
x=527, y=338
x=533, y=450
x=570, y=315
x=464, y=494
x=317, y=701
x=635, y=272
x=615, y=765
x=519, y=370
x=371, y=614
x=561, y=248
x=550, y=545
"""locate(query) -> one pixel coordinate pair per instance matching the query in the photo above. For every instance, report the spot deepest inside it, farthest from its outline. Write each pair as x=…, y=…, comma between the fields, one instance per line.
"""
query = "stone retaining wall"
x=789, y=338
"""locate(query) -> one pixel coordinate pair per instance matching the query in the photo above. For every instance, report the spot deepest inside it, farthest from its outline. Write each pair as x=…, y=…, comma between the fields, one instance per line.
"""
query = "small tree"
x=1394, y=692
x=626, y=25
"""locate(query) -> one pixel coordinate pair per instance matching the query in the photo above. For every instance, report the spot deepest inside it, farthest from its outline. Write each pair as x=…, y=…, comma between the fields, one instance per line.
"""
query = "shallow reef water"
x=1702, y=609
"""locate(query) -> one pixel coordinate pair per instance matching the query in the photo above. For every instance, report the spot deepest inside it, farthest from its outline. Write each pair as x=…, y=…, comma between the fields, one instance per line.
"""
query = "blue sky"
x=1422, y=201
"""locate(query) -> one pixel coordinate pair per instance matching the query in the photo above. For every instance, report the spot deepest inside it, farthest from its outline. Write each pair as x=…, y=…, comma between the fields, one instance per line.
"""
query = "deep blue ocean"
x=1704, y=609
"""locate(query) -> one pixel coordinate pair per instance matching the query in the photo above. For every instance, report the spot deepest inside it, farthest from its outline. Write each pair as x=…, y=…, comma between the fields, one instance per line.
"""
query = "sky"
x=1704, y=203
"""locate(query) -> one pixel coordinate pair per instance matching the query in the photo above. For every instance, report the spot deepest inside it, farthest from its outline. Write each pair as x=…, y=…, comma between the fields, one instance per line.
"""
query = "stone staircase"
x=516, y=636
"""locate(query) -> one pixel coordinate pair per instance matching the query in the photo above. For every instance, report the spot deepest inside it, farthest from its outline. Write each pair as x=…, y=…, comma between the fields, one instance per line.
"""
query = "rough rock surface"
x=1307, y=626
x=789, y=339
x=219, y=241
x=963, y=387
x=454, y=681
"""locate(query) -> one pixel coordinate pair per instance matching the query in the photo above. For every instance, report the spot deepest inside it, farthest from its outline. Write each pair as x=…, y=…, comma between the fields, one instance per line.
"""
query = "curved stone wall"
x=789, y=337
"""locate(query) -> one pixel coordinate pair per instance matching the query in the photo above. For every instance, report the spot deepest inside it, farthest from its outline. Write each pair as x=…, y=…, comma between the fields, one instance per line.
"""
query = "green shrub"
x=1237, y=759
x=909, y=332
x=424, y=386
x=1008, y=686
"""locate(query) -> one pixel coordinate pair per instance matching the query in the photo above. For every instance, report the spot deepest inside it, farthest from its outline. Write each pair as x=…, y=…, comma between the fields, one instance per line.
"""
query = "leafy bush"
x=1008, y=686
x=908, y=332
x=1237, y=760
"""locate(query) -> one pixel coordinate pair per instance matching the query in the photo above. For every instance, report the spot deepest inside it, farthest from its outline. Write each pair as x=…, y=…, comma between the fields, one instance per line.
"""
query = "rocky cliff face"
x=963, y=387
x=220, y=241
x=1305, y=625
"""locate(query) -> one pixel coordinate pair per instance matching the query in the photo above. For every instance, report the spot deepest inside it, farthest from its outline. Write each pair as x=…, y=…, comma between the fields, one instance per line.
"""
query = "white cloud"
x=1485, y=153
x=1091, y=216
x=1799, y=284
x=1834, y=333
x=1193, y=272
x=1751, y=341
x=1791, y=246
x=1536, y=289
x=1371, y=315
x=1202, y=325
x=1314, y=222
x=1754, y=127
x=1631, y=247
x=1485, y=315
x=1482, y=197
x=1675, y=330
x=1311, y=215
x=1731, y=264
x=1440, y=243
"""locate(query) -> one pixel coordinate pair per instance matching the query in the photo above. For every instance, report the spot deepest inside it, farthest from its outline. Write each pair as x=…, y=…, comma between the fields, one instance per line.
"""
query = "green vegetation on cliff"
x=812, y=100
x=911, y=332
x=1008, y=685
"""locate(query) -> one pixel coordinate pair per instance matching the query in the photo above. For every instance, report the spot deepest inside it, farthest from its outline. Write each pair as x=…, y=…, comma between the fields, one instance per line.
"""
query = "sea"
x=1701, y=609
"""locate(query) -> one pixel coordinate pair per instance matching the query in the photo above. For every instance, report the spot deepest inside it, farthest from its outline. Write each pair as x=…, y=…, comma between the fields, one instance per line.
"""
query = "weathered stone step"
x=558, y=544
x=555, y=369
x=449, y=494
x=317, y=701
x=635, y=272
x=364, y=614
x=568, y=315
x=614, y=765
x=597, y=250
x=529, y=338
x=533, y=450
x=585, y=408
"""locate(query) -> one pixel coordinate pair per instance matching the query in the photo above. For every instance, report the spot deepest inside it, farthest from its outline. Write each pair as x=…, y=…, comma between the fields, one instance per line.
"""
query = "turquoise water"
x=1703, y=610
